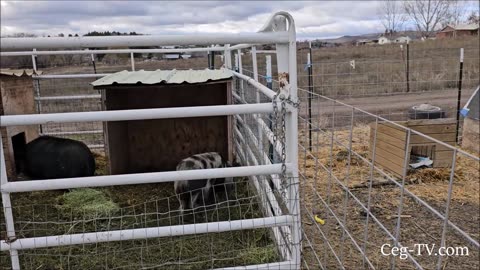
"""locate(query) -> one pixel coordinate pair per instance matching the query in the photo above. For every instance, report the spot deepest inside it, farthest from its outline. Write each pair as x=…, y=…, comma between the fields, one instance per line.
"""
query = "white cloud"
x=313, y=18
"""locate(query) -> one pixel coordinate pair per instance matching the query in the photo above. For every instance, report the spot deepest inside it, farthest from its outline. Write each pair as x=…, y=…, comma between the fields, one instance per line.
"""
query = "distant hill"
x=350, y=39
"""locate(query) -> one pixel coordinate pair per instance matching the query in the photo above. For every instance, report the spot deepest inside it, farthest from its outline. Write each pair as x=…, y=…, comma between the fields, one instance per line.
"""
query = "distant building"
x=171, y=56
x=384, y=40
x=460, y=30
x=367, y=42
x=394, y=39
x=403, y=39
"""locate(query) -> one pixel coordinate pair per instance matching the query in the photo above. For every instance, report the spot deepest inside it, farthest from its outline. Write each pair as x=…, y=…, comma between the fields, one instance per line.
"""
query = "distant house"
x=366, y=42
x=384, y=40
x=460, y=30
x=403, y=39
x=171, y=56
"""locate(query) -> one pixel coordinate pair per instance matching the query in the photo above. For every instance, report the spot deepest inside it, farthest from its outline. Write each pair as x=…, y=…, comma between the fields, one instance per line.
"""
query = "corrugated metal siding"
x=18, y=72
x=164, y=76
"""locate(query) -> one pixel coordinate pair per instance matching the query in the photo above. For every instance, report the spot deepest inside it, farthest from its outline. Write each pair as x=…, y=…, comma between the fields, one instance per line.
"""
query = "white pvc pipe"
x=138, y=178
x=7, y=209
x=140, y=41
x=141, y=114
x=111, y=51
x=262, y=88
x=267, y=51
x=68, y=97
x=241, y=46
x=145, y=233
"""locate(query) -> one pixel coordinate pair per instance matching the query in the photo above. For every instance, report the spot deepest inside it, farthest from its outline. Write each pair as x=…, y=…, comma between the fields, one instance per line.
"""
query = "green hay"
x=86, y=202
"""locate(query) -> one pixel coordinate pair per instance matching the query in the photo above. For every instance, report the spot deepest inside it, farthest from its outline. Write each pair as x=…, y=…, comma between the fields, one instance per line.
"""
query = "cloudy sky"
x=314, y=19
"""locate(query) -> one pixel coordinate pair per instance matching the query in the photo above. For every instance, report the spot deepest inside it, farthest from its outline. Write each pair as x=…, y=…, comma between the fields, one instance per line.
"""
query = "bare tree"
x=392, y=15
x=473, y=18
x=428, y=14
x=457, y=12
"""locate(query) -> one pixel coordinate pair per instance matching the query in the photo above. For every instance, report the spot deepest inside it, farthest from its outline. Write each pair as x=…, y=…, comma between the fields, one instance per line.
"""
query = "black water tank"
x=426, y=111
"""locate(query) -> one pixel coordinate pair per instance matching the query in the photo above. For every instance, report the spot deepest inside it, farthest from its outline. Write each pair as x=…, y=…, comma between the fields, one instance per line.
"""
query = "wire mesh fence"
x=59, y=213
x=357, y=176
x=70, y=95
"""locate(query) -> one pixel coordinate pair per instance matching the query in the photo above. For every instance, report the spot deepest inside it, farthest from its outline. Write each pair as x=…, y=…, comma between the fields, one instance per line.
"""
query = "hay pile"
x=86, y=203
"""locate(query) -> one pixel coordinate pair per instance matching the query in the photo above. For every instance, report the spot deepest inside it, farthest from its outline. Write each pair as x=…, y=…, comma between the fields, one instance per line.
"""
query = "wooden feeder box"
x=16, y=97
x=158, y=145
x=391, y=143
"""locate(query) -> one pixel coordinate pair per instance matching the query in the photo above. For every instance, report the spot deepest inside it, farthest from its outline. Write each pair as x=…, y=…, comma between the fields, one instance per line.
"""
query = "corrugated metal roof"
x=471, y=26
x=164, y=77
x=18, y=72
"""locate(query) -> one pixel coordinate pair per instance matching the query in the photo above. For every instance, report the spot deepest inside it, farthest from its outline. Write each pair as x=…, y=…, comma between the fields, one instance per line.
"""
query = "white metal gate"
x=276, y=183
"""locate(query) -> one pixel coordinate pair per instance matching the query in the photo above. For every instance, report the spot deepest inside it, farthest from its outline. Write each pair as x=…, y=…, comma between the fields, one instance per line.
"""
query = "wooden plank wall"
x=391, y=143
x=16, y=97
x=471, y=135
x=158, y=145
x=389, y=147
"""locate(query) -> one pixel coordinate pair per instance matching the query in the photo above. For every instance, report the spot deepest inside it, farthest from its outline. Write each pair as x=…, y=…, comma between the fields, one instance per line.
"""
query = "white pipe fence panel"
x=275, y=183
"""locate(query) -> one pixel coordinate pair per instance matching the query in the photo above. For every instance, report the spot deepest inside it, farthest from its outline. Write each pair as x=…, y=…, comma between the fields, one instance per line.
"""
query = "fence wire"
x=356, y=176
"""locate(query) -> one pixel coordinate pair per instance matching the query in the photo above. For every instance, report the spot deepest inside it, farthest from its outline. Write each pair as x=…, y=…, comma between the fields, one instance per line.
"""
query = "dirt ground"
x=392, y=107
x=325, y=174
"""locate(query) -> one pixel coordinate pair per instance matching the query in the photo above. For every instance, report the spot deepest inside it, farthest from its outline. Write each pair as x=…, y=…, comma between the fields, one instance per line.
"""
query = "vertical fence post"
x=34, y=60
x=37, y=88
x=287, y=71
x=208, y=60
x=408, y=67
x=459, y=97
x=211, y=59
x=240, y=70
x=93, y=64
x=258, y=100
x=227, y=58
x=268, y=78
x=310, y=94
x=268, y=63
x=7, y=210
x=132, y=59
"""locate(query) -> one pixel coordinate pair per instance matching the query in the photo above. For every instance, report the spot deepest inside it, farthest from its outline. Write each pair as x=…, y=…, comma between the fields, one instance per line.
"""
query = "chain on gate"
x=279, y=133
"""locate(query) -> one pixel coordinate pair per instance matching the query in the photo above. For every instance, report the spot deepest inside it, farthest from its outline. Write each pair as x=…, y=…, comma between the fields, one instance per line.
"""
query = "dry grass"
x=418, y=225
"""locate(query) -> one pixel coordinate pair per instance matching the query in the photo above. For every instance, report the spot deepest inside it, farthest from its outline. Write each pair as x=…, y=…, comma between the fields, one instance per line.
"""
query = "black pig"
x=49, y=157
